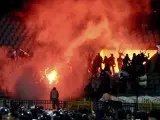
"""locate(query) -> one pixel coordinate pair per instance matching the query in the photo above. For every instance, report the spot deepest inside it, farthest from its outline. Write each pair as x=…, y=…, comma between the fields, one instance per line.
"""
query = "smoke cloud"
x=65, y=32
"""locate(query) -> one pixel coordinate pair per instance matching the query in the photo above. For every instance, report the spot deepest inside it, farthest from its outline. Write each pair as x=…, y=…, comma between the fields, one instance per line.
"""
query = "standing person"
x=54, y=97
x=112, y=63
x=97, y=63
x=120, y=61
x=126, y=60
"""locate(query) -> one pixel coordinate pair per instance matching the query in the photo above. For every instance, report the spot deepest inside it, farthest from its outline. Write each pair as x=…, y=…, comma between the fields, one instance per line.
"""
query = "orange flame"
x=51, y=76
x=103, y=66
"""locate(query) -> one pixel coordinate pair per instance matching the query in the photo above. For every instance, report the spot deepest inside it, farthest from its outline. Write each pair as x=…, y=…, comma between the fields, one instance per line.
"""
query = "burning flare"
x=51, y=76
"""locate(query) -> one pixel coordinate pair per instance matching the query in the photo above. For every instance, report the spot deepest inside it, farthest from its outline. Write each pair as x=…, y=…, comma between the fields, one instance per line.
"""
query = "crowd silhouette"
x=123, y=62
x=105, y=80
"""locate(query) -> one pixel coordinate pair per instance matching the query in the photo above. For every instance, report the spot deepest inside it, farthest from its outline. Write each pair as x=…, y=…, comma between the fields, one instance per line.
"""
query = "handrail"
x=47, y=104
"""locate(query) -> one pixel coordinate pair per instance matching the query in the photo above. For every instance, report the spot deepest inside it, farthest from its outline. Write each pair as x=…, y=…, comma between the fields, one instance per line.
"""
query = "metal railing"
x=47, y=104
x=76, y=105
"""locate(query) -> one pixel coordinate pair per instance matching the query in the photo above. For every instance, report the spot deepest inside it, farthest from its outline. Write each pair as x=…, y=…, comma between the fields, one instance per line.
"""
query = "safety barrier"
x=76, y=105
x=125, y=106
x=148, y=106
x=70, y=105
x=47, y=104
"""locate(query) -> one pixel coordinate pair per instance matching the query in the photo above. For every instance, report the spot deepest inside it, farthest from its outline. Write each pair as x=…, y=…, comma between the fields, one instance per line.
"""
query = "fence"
x=148, y=106
x=76, y=105
x=47, y=104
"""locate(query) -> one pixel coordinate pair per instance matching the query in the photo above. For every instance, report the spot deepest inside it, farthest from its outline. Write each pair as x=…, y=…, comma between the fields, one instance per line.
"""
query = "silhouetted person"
x=157, y=64
x=138, y=59
x=99, y=60
x=148, y=66
x=126, y=60
x=112, y=63
x=54, y=97
x=147, y=63
x=133, y=62
x=142, y=58
x=106, y=60
x=107, y=65
x=97, y=63
x=146, y=57
x=120, y=61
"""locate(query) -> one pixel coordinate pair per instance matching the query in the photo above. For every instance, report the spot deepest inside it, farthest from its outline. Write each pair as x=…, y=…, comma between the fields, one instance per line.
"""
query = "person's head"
x=111, y=55
x=54, y=88
x=127, y=55
x=142, y=54
x=134, y=54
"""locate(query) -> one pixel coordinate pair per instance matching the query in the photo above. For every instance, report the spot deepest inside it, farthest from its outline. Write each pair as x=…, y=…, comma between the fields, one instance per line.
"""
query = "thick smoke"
x=66, y=31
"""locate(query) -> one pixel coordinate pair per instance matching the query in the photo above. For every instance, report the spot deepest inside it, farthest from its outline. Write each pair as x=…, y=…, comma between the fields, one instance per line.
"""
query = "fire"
x=107, y=53
x=103, y=65
x=52, y=76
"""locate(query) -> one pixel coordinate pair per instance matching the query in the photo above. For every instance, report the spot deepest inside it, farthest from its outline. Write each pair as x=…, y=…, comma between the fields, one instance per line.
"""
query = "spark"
x=51, y=76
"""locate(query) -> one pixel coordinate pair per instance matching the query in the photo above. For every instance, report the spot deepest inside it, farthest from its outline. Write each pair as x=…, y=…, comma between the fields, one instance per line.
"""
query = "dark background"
x=7, y=6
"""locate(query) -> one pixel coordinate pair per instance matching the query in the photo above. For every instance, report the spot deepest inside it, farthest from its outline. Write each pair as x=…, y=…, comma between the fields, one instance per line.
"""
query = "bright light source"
x=144, y=62
x=52, y=76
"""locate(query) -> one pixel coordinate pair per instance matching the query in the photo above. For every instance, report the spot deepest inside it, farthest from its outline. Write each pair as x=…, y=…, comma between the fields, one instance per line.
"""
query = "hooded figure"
x=54, y=96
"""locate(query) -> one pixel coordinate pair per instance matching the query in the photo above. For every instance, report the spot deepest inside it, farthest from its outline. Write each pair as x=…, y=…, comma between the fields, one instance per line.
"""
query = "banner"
x=76, y=105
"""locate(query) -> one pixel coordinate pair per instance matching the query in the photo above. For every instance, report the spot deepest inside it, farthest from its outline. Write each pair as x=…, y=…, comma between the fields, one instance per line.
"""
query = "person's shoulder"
x=52, y=90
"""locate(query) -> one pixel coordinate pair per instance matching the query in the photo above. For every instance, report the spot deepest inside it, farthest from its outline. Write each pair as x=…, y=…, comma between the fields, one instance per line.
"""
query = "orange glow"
x=51, y=76
x=63, y=31
x=103, y=55
x=103, y=66
x=107, y=53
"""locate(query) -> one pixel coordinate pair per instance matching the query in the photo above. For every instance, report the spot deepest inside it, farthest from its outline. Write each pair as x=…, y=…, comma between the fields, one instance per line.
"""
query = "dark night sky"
x=155, y=4
x=7, y=6
x=10, y=5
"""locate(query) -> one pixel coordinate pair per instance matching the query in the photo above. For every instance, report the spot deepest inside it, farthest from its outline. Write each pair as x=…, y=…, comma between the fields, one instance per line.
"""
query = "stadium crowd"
x=105, y=80
x=18, y=112
x=102, y=81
